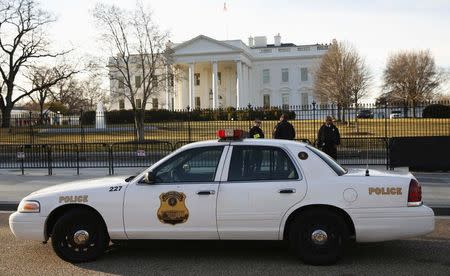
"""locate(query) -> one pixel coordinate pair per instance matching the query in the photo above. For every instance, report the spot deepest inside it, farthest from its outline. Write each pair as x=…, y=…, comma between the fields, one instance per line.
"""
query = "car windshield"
x=330, y=161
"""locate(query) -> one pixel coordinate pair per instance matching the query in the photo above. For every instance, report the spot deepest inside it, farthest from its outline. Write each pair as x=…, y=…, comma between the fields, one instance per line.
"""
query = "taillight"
x=414, y=193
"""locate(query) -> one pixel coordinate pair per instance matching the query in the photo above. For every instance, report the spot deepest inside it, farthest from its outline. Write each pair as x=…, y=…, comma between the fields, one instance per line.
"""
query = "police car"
x=229, y=189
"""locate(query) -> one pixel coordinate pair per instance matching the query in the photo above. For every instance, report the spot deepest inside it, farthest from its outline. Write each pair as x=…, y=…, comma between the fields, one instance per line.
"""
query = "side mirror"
x=149, y=178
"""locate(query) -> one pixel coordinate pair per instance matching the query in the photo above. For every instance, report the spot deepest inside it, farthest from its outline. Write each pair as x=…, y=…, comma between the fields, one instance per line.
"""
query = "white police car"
x=231, y=189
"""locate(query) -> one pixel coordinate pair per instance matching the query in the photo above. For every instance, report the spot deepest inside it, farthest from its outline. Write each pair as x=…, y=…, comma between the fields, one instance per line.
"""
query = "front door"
x=262, y=184
x=181, y=203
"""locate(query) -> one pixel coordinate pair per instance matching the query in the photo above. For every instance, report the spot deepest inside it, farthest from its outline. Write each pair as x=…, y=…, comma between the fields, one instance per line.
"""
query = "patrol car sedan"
x=229, y=189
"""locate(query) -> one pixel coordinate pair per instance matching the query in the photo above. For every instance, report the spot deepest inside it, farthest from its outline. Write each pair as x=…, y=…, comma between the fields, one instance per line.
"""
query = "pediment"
x=203, y=45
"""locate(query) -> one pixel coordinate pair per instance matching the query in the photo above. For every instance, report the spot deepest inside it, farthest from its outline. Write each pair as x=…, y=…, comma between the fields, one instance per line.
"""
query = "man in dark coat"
x=284, y=129
x=256, y=131
x=329, y=138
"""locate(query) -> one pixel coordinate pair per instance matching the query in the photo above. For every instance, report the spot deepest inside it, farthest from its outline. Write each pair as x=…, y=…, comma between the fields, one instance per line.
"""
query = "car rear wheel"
x=318, y=237
x=79, y=236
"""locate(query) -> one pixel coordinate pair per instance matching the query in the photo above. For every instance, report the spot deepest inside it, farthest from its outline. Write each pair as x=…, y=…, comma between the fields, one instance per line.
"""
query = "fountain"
x=100, y=117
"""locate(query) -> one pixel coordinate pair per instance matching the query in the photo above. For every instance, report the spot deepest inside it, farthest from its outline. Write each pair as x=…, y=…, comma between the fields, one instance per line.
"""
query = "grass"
x=179, y=131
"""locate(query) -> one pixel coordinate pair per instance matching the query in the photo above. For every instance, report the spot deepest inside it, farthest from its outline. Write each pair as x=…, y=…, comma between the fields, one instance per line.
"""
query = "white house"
x=230, y=73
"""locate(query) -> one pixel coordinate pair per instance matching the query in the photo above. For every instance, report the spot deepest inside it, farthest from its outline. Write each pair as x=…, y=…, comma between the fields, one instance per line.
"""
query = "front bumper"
x=383, y=224
x=27, y=226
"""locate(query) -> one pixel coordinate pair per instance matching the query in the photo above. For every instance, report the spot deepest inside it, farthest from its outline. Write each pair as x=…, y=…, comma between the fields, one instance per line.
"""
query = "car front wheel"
x=318, y=237
x=79, y=236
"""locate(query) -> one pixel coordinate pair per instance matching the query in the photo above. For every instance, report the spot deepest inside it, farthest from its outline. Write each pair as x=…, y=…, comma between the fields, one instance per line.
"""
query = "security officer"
x=329, y=138
x=284, y=129
x=256, y=131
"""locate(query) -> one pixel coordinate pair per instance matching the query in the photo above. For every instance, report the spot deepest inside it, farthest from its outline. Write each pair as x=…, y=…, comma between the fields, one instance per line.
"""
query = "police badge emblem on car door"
x=173, y=209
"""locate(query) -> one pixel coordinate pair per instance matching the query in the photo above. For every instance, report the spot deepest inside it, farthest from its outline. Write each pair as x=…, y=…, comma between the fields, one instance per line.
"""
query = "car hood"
x=83, y=185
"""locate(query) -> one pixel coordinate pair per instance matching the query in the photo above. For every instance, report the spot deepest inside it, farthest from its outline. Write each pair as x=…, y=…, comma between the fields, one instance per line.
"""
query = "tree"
x=342, y=77
x=411, y=77
x=22, y=41
x=137, y=49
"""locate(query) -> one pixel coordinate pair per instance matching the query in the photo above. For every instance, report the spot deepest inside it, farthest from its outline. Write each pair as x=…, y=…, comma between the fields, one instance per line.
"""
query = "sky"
x=376, y=28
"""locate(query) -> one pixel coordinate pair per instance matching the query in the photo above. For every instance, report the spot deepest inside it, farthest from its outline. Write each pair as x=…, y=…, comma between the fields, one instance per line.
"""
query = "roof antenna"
x=367, y=158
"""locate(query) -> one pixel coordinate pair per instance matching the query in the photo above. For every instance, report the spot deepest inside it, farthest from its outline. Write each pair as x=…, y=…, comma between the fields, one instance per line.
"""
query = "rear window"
x=330, y=161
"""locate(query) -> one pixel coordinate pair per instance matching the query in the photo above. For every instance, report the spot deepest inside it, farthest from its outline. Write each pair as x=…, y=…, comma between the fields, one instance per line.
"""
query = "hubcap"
x=81, y=237
x=319, y=237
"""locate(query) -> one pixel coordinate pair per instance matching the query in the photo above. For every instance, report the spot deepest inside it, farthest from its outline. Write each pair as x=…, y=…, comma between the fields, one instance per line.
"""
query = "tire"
x=318, y=251
x=67, y=236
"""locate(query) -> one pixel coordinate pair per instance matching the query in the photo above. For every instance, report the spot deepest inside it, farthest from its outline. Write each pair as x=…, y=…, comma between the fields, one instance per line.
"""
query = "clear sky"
x=376, y=28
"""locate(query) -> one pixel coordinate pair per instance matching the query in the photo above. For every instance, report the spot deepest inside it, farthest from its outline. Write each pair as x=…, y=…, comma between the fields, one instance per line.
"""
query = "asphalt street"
x=428, y=255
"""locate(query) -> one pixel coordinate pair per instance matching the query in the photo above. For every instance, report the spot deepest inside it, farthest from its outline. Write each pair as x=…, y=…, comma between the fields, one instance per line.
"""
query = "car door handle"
x=210, y=192
x=287, y=191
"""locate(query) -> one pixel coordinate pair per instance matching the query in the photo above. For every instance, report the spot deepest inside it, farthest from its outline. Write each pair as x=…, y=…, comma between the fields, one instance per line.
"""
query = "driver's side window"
x=194, y=165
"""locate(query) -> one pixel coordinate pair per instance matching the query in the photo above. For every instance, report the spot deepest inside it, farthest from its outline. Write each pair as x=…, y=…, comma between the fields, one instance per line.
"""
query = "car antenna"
x=367, y=158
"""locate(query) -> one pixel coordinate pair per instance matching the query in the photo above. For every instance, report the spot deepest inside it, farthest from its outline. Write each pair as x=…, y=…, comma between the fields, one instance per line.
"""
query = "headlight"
x=29, y=206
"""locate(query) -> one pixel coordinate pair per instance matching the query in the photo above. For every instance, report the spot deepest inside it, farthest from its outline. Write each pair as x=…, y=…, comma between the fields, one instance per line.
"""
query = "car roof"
x=247, y=141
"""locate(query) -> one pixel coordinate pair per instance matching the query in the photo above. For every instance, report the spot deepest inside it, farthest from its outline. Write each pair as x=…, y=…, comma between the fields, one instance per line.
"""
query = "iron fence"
x=86, y=141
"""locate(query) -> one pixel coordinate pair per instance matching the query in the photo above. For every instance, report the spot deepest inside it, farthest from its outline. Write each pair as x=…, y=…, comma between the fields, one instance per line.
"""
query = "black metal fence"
x=86, y=140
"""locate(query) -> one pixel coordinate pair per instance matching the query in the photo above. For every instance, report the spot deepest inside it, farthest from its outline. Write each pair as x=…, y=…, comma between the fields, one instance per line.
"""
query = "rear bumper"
x=383, y=224
x=27, y=226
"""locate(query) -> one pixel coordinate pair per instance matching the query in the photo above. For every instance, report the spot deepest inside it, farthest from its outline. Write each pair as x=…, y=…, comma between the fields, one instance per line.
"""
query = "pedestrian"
x=329, y=138
x=256, y=131
x=284, y=129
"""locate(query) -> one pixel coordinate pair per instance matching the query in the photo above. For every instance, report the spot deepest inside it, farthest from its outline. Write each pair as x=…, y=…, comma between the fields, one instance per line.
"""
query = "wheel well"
x=61, y=210
x=348, y=220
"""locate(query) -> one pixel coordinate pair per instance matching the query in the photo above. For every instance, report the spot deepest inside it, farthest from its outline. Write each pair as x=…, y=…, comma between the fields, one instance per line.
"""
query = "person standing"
x=256, y=131
x=284, y=129
x=329, y=138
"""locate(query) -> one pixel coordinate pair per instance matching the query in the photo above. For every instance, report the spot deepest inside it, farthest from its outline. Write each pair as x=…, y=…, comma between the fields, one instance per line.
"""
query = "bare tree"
x=411, y=77
x=22, y=41
x=137, y=61
x=40, y=76
x=342, y=77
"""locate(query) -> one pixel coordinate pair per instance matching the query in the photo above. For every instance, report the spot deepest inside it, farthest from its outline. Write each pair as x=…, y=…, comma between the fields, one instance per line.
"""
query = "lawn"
x=196, y=131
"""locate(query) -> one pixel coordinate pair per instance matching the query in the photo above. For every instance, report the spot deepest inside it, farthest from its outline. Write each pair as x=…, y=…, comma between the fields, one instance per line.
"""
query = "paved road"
x=428, y=255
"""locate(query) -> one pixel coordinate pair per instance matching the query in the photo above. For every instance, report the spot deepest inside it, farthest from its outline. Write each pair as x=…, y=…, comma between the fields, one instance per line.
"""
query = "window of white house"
x=172, y=100
x=285, y=75
x=219, y=78
x=266, y=101
x=121, y=104
x=138, y=103
x=137, y=81
x=285, y=101
x=266, y=76
x=304, y=74
x=155, y=103
x=155, y=81
x=197, y=79
x=120, y=81
x=197, y=102
x=171, y=79
x=304, y=98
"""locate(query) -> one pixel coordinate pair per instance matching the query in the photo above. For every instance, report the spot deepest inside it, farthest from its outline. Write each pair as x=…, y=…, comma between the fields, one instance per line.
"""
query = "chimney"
x=277, y=40
x=250, y=41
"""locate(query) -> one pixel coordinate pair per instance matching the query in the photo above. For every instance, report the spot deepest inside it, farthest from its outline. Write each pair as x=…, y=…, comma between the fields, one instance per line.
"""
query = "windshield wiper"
x=128, y=179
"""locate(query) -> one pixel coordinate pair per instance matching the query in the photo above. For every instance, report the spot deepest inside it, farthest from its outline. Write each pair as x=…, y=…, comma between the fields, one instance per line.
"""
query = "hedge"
x=436, y=111
x=126, y=116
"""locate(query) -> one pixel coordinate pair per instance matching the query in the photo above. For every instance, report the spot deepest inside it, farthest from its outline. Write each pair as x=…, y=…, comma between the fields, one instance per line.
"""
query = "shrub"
x=436, y=111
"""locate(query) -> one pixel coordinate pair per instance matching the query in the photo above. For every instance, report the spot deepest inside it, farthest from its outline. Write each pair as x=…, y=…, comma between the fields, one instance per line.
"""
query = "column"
x=191, y=85
x=239, y=104
x=215, y=88
x=167, y=88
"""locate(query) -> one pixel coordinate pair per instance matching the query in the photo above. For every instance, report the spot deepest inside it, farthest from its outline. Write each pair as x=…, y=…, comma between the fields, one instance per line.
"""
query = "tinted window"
x=260, y=163
x=330, y=161
x=195, y=165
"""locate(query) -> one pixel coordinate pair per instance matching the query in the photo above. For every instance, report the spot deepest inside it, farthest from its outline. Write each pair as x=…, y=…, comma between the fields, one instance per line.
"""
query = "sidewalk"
x=14, y=186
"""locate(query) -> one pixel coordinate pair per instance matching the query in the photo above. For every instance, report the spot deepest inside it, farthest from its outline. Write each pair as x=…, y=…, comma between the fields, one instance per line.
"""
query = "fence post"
x=31, y=128
x=78, y=159
x=386, y=135
x=82, y=138
x=49, y=159
x=189, y=123
x=111, y=160
x=314, y=116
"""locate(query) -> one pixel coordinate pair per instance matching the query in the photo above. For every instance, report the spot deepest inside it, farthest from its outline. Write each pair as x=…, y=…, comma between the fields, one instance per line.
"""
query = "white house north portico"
x=220, y=74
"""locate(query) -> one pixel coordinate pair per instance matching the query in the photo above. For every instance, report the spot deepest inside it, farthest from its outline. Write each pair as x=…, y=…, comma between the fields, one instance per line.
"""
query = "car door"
x=181, y=203
x=261, y=184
